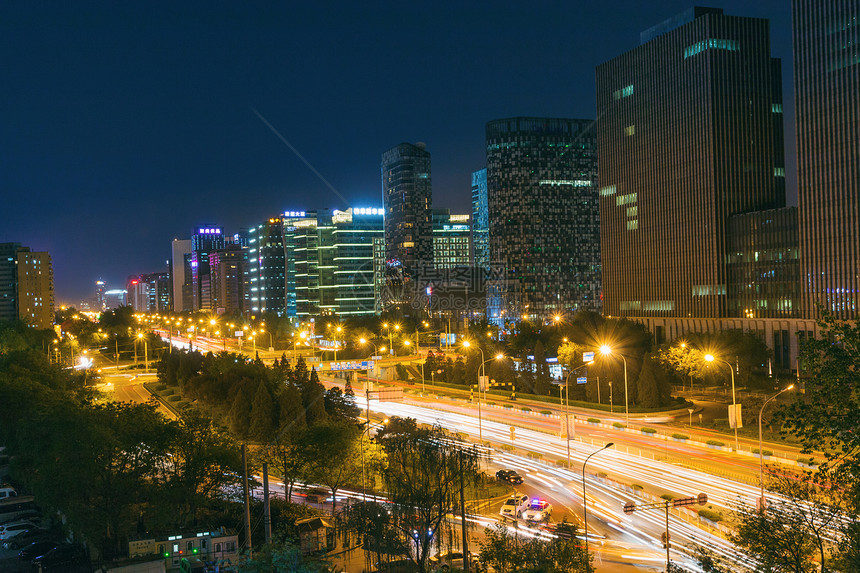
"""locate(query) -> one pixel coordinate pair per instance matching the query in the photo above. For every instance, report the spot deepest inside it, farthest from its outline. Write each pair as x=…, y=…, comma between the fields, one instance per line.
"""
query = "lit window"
x=779, y=171
x=632, y=225
x=711, y=44
x=607, y=191
x=623, y=92
x=776, y=108
x=630, y=130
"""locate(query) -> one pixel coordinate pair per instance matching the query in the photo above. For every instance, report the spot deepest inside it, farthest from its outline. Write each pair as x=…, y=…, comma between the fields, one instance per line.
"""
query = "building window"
x=630, y=130
x=711, y=44
x=779, y=171
x=632, y=225
x=607, y=191
x=623, y=92
x=776, y=108
x=625, y=199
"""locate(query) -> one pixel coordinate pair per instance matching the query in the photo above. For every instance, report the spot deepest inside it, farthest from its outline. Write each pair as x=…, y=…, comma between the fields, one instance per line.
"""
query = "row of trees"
x=109, y=468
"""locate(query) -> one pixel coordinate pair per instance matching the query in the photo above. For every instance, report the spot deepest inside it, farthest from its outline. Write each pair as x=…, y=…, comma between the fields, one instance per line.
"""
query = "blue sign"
x=581, y=379
x=587, y=356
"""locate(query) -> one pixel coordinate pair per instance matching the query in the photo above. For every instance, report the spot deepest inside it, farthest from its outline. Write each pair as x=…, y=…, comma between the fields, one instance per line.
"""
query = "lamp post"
x=567, y=407
x=712, y=358
x=606, y=350
x=584, y=502
x=145, y=352
x=367, y=413
x=762, y=503
x=466, y=344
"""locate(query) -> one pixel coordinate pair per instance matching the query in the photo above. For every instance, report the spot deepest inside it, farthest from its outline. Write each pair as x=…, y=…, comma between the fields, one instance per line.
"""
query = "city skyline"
x=153, y=136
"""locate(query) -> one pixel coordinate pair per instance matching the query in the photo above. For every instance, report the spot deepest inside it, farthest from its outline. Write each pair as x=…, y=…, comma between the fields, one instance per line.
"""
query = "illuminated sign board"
x=294, y=213
x=367, y=211
x=209, y=231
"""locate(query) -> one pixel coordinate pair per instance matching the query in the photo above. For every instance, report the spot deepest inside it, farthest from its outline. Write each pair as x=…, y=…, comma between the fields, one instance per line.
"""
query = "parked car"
x=11, y=531
x=7, y=491
x=36, y=549
x=402, y=565
x=515, y=505
x=28, y=537
x=61, y=558
x=509, y=476
x=448, y=560
x=538, y=510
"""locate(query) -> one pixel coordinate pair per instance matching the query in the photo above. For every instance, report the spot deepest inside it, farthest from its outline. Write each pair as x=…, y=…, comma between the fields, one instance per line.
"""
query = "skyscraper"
x=205, y=241
x=480, y=221
x=543, y=217
x=179, y=263
x=452, y=240
x=689, y=133
x=408, y=201
x=267, y=268
x=827, y=84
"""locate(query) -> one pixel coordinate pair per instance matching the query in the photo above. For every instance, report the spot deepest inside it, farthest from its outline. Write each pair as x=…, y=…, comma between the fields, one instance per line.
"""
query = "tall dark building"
x=689, y=133
x=408, y=202
x=267, y=268
x=543, y=217
x=204, y=242
x=827, y=88
x=26, y=285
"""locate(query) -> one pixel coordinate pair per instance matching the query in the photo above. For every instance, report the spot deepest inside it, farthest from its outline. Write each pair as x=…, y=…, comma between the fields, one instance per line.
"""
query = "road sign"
x=629, y=507
x=483, y=382
x=735, y=419
x=239, y=333
x=587, y=356
x=581, y=380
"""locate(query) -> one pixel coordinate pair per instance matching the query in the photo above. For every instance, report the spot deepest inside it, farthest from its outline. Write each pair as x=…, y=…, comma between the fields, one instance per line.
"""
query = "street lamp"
x=145, y=352
x=567, y=407
x=712, y=358
x=584, y=501
x=606, y=351
x=762, y=503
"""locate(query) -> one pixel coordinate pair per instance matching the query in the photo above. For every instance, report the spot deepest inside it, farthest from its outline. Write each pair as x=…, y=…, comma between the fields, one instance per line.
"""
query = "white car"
x=515, y=505
x=539, y=510
x=448, y=560
x=13, y=530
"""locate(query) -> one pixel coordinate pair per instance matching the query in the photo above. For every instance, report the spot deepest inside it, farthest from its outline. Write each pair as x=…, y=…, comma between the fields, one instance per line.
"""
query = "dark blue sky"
x=124, y=125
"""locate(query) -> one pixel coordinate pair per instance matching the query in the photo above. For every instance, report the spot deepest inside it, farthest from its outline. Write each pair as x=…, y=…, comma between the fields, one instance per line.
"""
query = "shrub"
x=546, y=412
x=715, y=443
x=637, y=487
x=561, y=463
x=602, y=474
x=806, y=461
x=491, y=403
x=710, y=515
x=617, y=425
x=667, y=496
x=526, y=409
x=174, y=398
x=649, y=431
x=593, y=421
x=508, y=406
x=764, y=452
x=681, y=436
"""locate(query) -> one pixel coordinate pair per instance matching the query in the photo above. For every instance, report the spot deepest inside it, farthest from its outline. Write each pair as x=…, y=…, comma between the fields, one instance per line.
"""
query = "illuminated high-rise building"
x=543, y=218
x=827, y=94
x=26, y=285
x=480, y=221
x=690, y=133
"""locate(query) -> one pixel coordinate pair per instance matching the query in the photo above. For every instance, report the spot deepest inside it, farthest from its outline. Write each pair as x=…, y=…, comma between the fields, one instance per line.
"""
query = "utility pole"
x=466, y=556
x=267, y=514
x=247, y=503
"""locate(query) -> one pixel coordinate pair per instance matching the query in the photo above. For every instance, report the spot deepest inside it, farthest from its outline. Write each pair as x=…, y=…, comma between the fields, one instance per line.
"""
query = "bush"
x=667, y=496
x=637, y=487
x=593, y=421
x=526, y=409
x=681, y=436
x=806, y=461
x=507, y=406
x=174, y=398
x=711, y=515
x=561, y=463
x=602, y=474
x=546, y=412
x=715, y=443
x=649, y=431
x=617, y=425
x=764, y=452
x=491, y=403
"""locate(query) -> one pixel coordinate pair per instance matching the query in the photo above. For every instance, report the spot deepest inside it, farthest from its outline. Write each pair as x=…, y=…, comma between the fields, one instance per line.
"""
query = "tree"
x=542, y=378
x=240, y=415
x=202, y=462
x=263, y=414
x=506, y=554
x=285, y=556
x=313, y=398
x=423, y=472
x=331, y=449
x=340, y=406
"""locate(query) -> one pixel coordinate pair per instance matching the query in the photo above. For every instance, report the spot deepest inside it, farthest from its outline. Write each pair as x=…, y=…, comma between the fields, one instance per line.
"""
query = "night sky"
x=126, y=124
